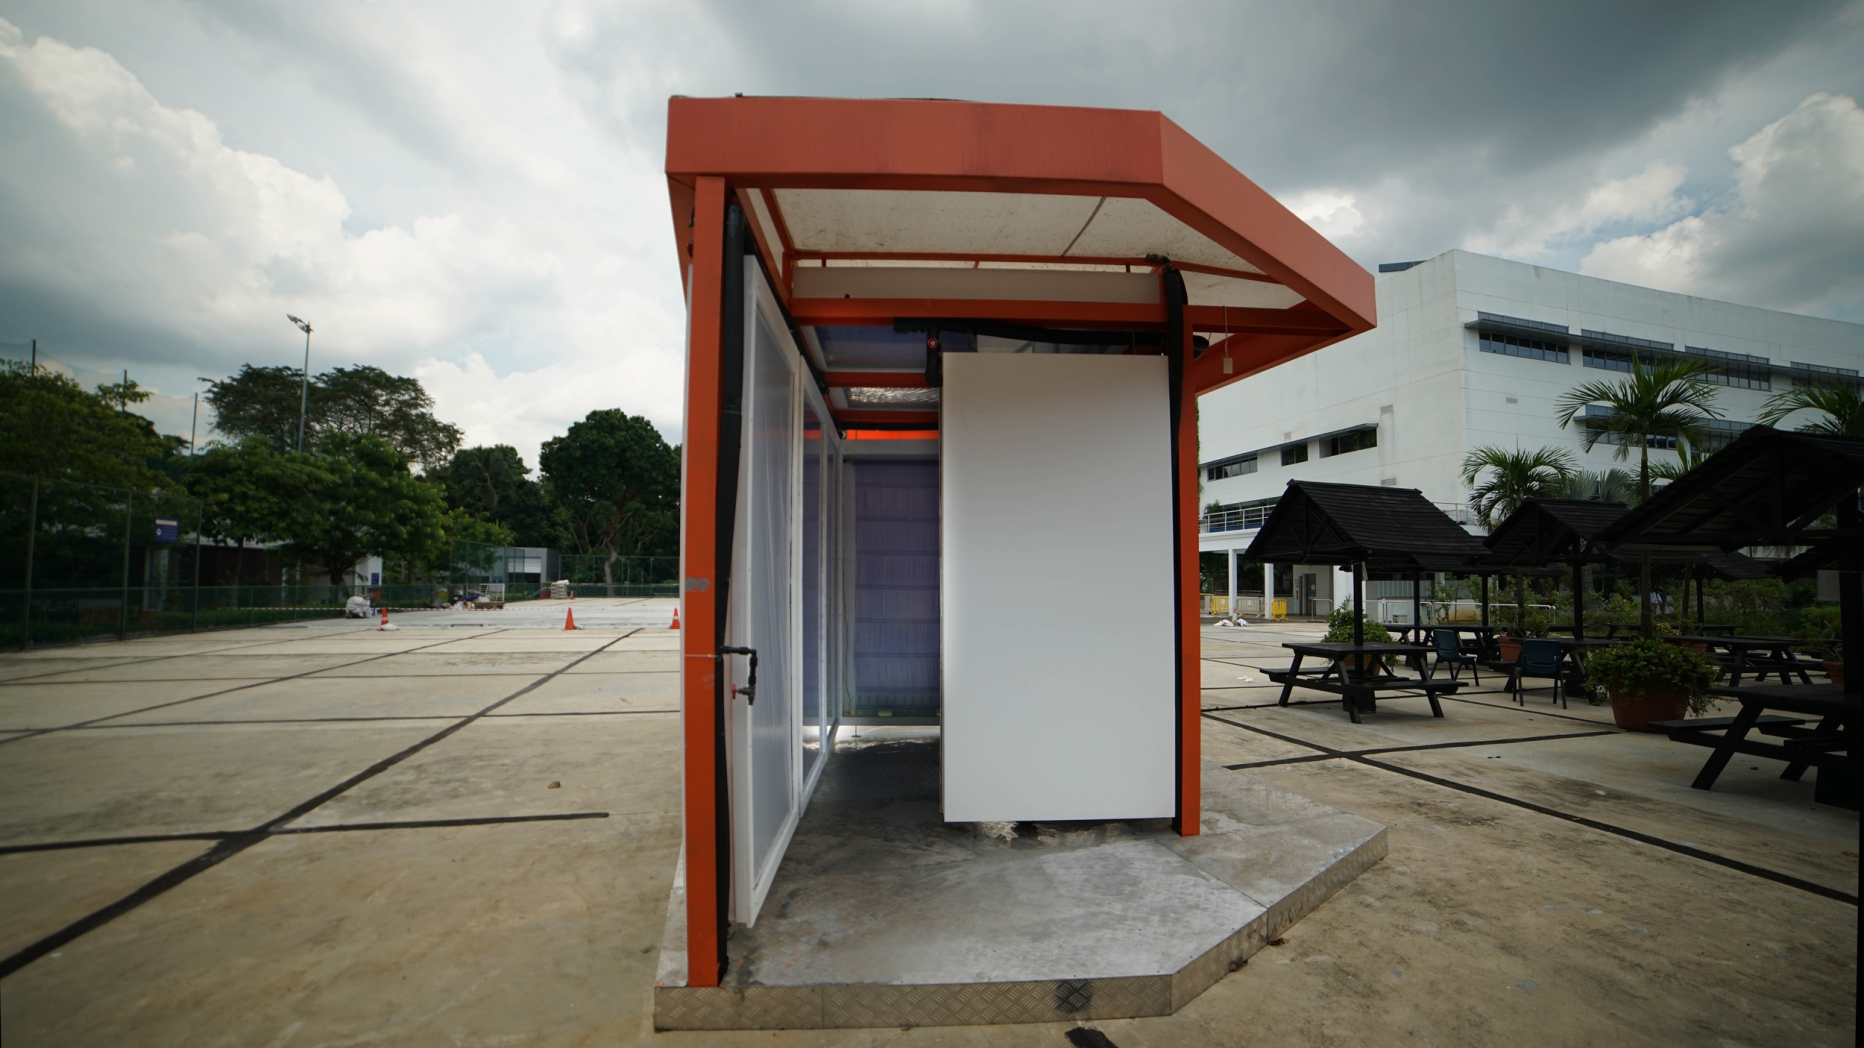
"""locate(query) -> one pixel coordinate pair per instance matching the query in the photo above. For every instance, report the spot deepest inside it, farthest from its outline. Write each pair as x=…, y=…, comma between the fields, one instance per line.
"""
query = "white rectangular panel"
x=1057, y=623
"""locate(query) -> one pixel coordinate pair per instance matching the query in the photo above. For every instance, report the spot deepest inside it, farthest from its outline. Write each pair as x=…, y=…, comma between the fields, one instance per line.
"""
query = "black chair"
x=1450, y=650
x=1539, y=658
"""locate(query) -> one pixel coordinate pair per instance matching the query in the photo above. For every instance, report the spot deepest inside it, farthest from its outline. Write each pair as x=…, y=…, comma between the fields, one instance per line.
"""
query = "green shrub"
x=1627, y=670
x=1817, y=632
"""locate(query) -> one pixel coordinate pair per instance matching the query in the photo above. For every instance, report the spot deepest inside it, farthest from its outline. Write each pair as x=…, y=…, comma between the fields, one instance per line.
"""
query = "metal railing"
x=1246, y=519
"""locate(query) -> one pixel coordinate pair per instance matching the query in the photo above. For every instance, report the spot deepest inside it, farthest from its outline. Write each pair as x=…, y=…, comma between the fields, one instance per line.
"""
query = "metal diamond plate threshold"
x=883, y=915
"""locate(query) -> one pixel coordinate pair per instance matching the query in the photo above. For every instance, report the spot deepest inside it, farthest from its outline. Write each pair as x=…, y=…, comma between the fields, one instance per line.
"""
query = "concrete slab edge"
x=679, y=1007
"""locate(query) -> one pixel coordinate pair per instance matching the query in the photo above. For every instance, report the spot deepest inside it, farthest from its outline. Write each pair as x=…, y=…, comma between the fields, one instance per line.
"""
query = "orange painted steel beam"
x=1190, y=651
x=1261, y=321
x=876, y=379
x=1136, y=265
x=874, y=416
x=699, y=555
x=869, y=312
x=1252, y=354
x=778, y=281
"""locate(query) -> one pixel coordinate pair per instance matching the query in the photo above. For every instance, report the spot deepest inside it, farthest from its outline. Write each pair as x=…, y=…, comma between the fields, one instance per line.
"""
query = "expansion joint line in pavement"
x=350, y=720
x=138, y=660
x=242, y=687
x=346, y=827
x=231, y=846
x=1335, y=755
x=1328, y=753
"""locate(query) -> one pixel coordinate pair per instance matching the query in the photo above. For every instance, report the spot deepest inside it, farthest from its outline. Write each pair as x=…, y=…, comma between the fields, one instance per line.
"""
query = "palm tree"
x=1843, y=407
x=1512, y=477
x=1668, y=399
x=1500, y=480
x=1611, y=485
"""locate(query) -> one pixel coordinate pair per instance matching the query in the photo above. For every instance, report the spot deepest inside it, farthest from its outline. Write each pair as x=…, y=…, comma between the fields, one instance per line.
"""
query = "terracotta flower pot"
x=1511, y=648
x=1661, y=702
x=1835, y=670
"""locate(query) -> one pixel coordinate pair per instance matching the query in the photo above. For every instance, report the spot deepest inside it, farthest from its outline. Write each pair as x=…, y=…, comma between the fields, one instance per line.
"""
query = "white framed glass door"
x=781, y=603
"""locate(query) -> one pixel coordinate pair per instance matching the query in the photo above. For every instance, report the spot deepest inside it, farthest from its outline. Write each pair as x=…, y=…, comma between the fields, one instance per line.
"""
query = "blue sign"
x=167, y=530
x=375, y=578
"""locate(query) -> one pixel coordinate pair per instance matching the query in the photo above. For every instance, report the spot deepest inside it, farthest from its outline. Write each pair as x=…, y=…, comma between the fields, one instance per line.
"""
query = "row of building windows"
x=1224, y=470
x=1736, y=370
x=1357, y=440
x=1533, y=349
x=1294, y=454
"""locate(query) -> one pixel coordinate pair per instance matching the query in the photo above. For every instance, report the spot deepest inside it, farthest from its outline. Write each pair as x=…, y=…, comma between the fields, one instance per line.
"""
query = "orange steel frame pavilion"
x=749, y=151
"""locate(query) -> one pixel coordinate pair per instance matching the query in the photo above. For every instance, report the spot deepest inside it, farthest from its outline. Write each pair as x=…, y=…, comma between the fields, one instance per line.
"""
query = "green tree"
x=494, y=484
x=1668, y=399
x=355, y=401
x=1610, y=485
x=359, y=500
x=617, y=484
x=1501, y=479
x=52, y=427
x=1843, y=407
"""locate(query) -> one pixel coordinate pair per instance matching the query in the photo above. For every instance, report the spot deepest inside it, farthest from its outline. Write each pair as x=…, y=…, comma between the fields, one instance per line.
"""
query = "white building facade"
x=1471, y=351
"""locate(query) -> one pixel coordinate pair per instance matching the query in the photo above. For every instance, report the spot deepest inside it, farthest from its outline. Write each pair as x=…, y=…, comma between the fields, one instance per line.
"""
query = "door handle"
x=749, y=690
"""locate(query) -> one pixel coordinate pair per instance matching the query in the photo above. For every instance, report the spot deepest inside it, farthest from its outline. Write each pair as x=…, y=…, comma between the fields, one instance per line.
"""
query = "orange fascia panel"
x=913, y=144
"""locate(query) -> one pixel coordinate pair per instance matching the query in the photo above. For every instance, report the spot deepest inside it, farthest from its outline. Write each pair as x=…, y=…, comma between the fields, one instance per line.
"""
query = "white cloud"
x=1648, y=196
x=151, y=225
x=1331, y=212
x=1791, y=236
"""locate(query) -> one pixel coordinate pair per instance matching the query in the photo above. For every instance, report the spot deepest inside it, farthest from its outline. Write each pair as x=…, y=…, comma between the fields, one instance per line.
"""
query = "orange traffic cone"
x=676, y=619
x=384, y=618
x=569, y=619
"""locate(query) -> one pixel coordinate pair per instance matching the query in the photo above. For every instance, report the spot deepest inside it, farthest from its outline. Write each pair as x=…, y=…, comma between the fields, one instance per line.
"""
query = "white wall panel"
x=1057, y=588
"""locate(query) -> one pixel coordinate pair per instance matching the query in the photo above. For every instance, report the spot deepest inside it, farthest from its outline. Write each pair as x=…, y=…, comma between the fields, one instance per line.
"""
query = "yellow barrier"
x=1278, y=609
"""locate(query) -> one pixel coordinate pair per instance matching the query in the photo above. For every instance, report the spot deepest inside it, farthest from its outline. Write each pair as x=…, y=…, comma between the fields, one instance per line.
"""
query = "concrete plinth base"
x=885, y=915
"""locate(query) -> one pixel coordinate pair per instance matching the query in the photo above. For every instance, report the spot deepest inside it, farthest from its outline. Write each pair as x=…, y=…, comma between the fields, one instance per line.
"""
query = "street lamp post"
x=304, y=388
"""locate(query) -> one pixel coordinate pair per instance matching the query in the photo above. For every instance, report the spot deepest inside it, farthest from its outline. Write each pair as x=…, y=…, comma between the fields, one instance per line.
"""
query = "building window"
x=1720, y=433
x=1825, y=376
x=1533, y=349
x=1293, y=453
x=1236, y=468
x=1609, y=359
x=1738, y=370
x=1357, y=440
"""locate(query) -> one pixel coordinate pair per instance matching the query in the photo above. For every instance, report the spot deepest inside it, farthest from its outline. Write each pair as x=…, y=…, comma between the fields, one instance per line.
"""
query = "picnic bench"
x=1356, y=673
x=1761, y=656
x=1826, y=746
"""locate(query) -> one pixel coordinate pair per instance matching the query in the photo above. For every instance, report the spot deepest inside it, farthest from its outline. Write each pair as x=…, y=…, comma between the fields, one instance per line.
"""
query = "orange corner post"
x=1190, y=672
x=703, y=251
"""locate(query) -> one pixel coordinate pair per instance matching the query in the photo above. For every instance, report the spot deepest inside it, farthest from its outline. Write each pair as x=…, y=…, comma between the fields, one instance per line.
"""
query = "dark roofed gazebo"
x=1769, y=487
x=1369, y=527
x=1568, y=531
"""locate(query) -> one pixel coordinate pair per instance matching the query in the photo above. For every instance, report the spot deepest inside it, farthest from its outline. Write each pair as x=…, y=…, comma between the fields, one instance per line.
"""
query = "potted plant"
x=1652, y=680
x=1340, y=631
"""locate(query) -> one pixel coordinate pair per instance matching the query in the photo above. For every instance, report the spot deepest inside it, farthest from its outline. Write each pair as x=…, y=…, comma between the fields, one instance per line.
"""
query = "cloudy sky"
x=470, y=192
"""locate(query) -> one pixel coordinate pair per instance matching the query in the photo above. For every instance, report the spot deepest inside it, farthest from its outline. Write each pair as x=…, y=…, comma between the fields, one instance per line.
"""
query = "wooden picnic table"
x=1827, y=747
x=1359, y=687
x=1778, y=658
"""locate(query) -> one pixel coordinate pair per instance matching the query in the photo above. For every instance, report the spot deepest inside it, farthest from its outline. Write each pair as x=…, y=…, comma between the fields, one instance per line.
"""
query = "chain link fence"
x=81, y=561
